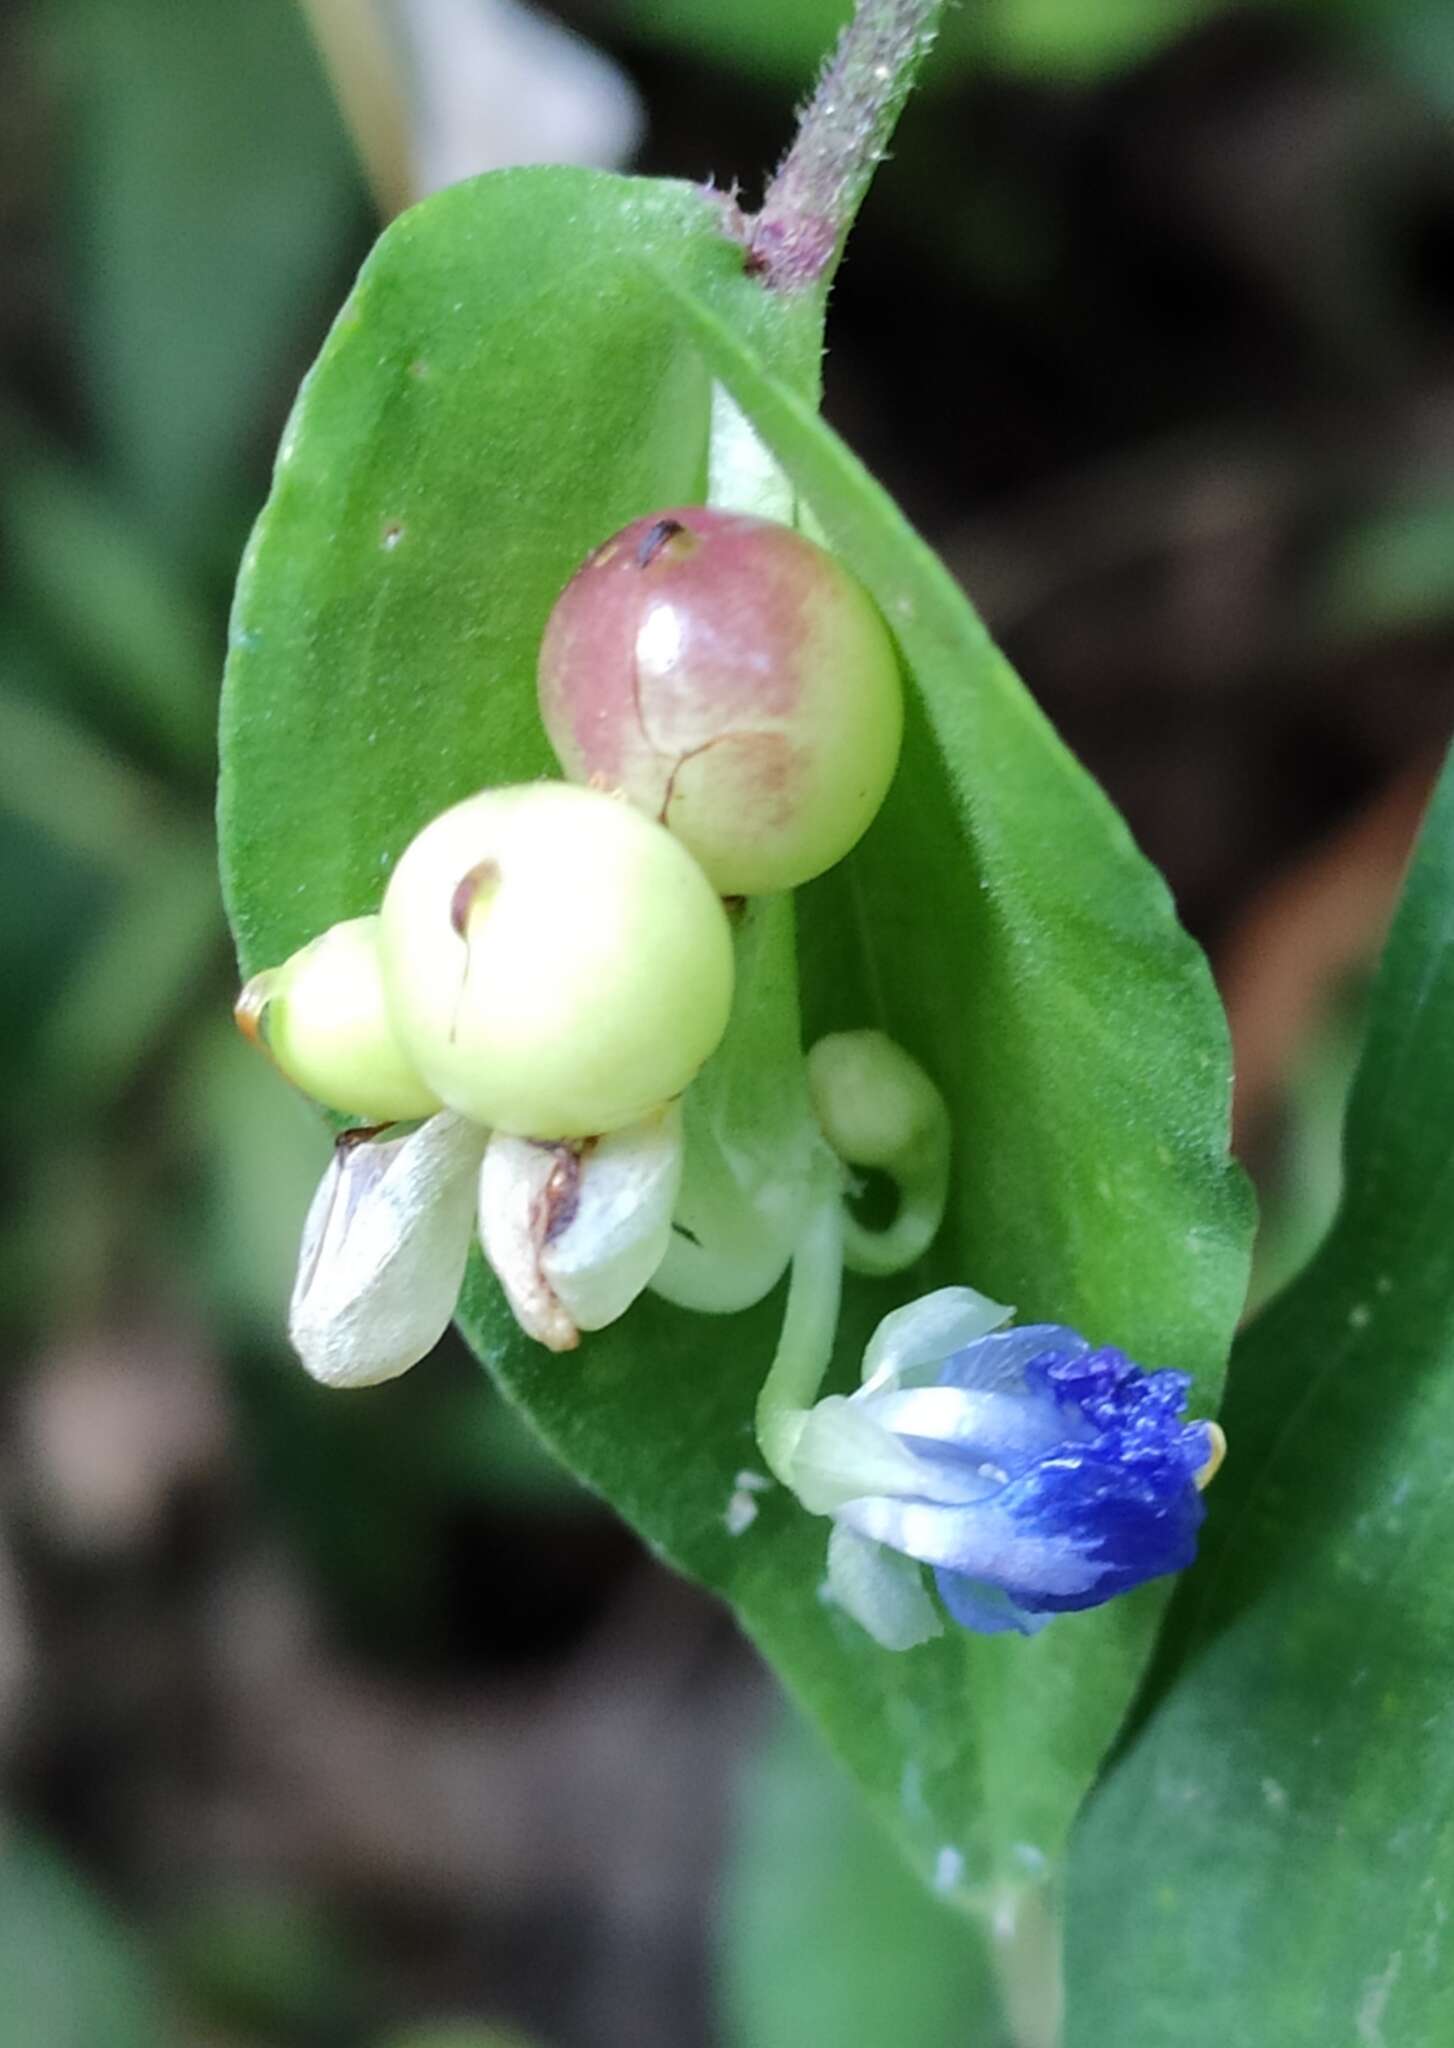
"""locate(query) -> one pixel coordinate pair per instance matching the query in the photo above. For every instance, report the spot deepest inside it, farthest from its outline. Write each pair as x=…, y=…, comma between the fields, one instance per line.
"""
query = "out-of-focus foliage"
x=458, y=2034
x=1065, y=43
x=71, y=1979
x=1393, y=571
x=1060, y=38
x=269, y=1962
x=1301, y=1201
x=823, y=1937
x=218, y=195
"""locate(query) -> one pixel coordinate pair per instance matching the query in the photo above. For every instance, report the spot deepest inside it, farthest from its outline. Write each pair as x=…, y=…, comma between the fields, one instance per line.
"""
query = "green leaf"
x=761, y=37
x=61, y=778
x=1272, y=1860
x=1066, y=39
x=256, y=1152
x=111, y=601
x=1055, y=39
x=1392, y=573
x=998, y=921
x=275, y=1964
x=524, y=367
x=1412, y=39
x=458, y=2034
x=1299, y=1198
x=217, y=188
x=71, y=1978
x=136, y=977
x=498, y=393
x=825, y=1938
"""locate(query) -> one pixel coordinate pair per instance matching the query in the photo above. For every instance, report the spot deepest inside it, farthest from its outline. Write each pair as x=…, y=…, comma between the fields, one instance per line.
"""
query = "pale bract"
x=573, y=1232
x=384, y=1251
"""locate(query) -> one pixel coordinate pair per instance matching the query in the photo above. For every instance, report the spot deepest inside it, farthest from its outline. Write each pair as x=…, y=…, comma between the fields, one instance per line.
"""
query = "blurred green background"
x=346, y=1720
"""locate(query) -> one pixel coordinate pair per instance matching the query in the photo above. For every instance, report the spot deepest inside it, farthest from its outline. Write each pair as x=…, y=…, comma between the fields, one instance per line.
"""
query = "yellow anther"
x=1213, y=1465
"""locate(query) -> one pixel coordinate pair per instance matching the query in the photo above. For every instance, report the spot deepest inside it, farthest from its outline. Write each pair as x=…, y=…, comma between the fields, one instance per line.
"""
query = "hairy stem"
x=796, y=239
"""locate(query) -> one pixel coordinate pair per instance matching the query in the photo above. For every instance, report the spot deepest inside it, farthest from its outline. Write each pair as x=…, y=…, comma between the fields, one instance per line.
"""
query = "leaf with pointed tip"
x=1272, y=1858
x=998, y=921
x=524, y=366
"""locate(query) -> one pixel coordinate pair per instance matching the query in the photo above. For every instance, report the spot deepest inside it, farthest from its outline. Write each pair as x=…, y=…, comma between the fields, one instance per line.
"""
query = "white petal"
x=999, y=1426
x=927, y=1330
x=841, y=1453
x=979, y=1540
x=844, y=1452
x=606, y=1251
x=882, y=1591
x=384, y=1251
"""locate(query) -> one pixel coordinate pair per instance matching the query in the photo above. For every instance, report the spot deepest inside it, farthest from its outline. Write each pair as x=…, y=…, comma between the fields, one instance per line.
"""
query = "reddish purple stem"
x=794, y=242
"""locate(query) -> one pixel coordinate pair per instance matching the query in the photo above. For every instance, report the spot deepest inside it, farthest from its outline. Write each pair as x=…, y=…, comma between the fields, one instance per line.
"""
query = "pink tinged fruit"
x=730, y=677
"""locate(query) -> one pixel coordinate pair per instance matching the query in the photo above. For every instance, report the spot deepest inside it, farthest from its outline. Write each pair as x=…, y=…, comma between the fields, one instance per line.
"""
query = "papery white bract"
x=600, y=1258
x=384, y=1251
x=574, y=1233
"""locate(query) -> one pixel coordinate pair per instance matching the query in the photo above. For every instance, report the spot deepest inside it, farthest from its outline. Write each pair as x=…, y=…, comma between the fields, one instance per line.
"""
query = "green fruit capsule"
x=324, y=1020
x=731, y=678
x=556, y=964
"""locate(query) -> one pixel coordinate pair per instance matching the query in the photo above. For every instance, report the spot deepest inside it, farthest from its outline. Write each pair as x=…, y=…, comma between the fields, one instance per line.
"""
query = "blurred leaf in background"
x=71, y=1977
x=273, y=1964
x=1392, y=570
x=1300, y=1196
x=215, y=206
x=1061, y=39
x=458, y=2034
x=822, y=1936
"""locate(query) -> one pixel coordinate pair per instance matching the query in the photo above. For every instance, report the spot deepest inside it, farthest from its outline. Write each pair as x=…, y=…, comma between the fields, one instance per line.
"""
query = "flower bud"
x=323, y=1019
x=1037, y=1475
x=556, y=964
x=384, y=1251
x=575, y=1232
x=878, y=1108
x=732, y=679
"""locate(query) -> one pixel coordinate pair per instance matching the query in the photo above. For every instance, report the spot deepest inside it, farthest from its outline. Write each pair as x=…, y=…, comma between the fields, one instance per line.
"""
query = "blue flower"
x=1034, y=1473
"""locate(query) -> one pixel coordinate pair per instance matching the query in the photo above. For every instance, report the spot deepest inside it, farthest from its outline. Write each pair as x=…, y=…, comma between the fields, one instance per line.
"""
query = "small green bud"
x=878, y=1108
x=731, y=678
x=875, y=1103
x=557, y=965
x=324, y=1020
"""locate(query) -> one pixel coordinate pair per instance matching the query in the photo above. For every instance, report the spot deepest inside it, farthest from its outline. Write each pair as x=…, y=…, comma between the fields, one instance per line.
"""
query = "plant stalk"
x=810, y=1325
x=795, y=241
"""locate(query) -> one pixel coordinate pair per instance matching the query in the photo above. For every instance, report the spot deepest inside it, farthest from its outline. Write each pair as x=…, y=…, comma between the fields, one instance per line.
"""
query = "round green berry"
x=732, y=679
x=324, y=1020
x=557, y=965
